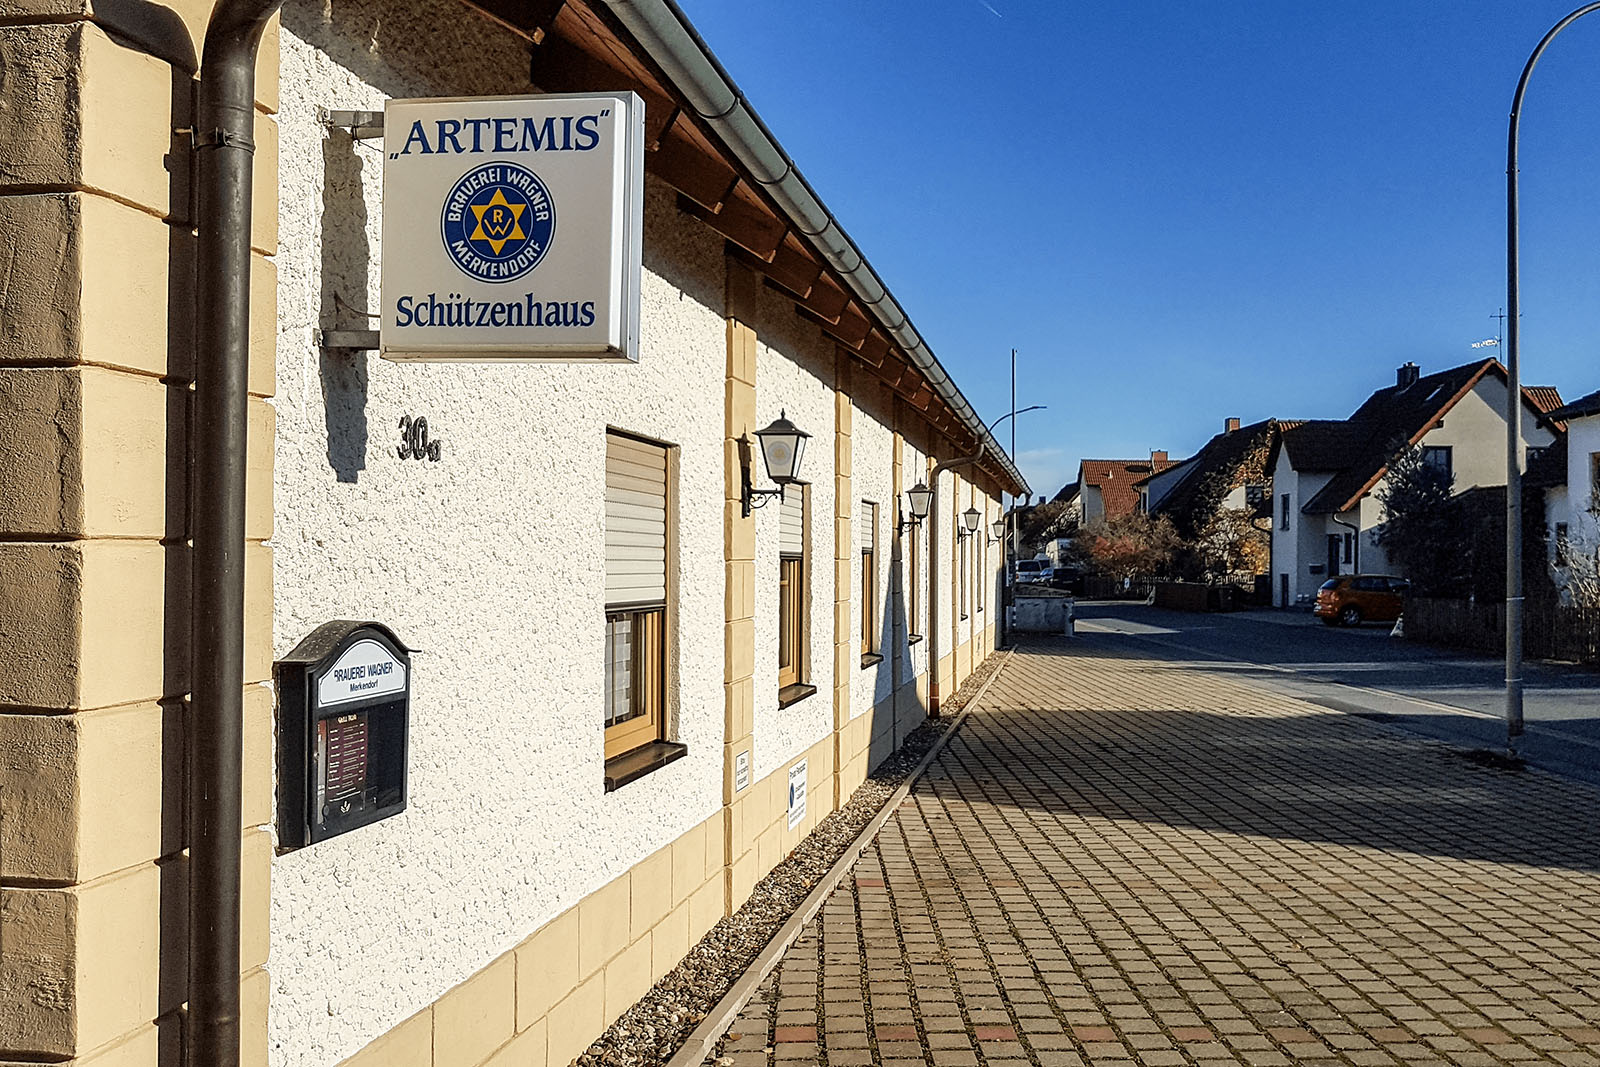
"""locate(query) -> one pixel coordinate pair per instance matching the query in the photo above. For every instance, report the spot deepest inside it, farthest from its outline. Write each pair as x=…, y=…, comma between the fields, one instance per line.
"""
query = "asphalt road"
x=1447, y=694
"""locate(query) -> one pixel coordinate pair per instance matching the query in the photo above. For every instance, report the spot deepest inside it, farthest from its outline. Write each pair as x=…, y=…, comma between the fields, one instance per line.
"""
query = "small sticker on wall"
x=797, y=794
x=741, y=772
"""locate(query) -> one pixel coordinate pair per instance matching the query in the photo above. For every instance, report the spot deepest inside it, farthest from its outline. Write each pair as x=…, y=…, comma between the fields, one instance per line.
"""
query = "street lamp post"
x=1514, y=592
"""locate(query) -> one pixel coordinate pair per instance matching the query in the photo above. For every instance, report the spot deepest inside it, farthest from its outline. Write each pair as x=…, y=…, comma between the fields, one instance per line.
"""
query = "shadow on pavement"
x=1330, y=778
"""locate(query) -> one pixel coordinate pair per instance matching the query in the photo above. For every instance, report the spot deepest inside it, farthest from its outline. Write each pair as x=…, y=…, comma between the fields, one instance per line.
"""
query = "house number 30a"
x=414, y=443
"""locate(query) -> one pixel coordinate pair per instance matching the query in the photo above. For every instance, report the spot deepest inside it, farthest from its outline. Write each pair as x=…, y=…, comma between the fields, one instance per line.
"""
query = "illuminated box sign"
x=512, y=228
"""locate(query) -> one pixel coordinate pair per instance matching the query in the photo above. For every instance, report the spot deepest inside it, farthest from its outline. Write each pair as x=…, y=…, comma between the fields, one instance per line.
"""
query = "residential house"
x=1572, y=496
x=1328, y=474
x=1229, y=471
x=1109, y=488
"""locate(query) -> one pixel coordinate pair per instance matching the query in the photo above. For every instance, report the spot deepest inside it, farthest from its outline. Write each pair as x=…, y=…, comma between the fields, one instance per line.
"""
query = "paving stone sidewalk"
x=1124, y=860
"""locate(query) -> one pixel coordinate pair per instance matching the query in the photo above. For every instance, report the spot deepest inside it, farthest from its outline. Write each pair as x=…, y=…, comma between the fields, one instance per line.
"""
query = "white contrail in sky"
x=992, y=11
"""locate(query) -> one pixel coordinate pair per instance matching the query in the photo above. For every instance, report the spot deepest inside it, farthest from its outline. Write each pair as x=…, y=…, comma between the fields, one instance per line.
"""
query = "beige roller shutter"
x=792, y=522
x=636, y=522
x=869, y=527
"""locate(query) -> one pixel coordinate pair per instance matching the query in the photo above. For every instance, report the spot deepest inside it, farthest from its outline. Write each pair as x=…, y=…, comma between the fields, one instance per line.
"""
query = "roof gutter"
x=667, y=36
x=224, y=137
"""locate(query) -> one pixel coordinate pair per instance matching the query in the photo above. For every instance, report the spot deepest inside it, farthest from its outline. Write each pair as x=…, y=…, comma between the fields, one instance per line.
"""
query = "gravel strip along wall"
x=655, y=1028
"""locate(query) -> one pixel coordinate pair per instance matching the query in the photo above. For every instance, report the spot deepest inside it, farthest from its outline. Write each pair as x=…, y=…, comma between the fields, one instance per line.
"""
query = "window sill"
x=870, y=659
x=793, y=694
x=631, y=766
x=912, y=639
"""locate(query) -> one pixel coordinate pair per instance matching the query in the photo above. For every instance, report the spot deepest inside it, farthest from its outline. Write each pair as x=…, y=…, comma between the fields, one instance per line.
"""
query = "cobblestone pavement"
x=1124, y=860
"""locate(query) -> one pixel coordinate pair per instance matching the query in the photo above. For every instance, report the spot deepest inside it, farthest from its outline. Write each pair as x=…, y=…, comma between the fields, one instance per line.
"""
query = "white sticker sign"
x=512, y=228
x=797, y=794
x=741, y=772
x=366, y=669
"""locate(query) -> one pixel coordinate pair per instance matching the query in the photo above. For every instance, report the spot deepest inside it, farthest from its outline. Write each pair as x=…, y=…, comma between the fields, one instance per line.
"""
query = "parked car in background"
x=1068, y=578
x=1030, y=570
x=1351, y=599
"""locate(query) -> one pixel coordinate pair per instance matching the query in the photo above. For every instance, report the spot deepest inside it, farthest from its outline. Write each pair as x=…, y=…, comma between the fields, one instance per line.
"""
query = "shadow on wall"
x=1315, y=778
x=346, y=273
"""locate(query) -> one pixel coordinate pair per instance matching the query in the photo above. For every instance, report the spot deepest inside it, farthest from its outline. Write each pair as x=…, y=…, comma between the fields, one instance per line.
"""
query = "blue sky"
x=1178, y=212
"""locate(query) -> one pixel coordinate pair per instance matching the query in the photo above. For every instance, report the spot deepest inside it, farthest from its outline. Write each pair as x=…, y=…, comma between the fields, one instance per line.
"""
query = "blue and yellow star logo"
x=499, y=222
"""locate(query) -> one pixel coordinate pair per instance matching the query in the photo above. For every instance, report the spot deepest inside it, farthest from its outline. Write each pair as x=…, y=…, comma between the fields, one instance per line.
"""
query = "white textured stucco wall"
x=913, y=469
x=794, y=374
x=872, y=479
x=489, y=562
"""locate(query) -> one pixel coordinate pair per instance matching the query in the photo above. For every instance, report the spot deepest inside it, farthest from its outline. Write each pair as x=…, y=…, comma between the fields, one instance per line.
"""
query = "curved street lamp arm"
x=1514, y=593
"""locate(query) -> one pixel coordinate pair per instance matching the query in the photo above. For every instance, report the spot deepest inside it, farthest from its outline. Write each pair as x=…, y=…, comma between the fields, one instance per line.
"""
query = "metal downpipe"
x=224, y=143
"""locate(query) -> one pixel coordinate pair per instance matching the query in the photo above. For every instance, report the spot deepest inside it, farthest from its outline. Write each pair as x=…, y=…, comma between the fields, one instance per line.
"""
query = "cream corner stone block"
x=40, y=624
x=255, y=990
x=651, y=893
x=125, y=626
x=131, y=455
x=527, y=1049
x=257, y=612
x=706, y=908
x=547, y=967
x=68, y=300
x=263, y=379
x=125, y=116
x=627, y=979
x=267, y=63
x=669, y=941
x=79, y=967
x=603, y=925
x=408, y=1045
x=122, y=311
x=39, y=801
x=739, y=651
x=258, y=756
x=263, y=423
x=716, y=837
x=41, y=477
x=477, y=1016
x=732, y=470
x=739, y=592
x=739, y=533
x=742, y=880
x=255, y=891
x=739, y=707
x=130, y=761
x=264, y=201
x=574, y=1023
x=688, y=863
x=109, y=105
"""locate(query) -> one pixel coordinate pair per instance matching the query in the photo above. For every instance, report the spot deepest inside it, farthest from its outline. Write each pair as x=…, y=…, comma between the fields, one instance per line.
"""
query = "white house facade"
x=1572, y=508
x=633, y=688
x=1328, y=476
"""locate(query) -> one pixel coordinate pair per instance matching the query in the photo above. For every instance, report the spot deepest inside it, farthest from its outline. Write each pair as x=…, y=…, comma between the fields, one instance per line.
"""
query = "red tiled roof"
x=1117, y=480
x=1546, y=398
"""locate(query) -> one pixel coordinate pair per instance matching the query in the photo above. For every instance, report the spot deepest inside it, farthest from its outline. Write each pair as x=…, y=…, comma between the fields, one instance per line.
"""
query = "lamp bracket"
x=757, y=498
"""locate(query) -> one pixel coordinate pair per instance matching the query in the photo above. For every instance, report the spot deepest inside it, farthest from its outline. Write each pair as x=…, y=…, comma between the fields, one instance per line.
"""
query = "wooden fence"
x=1549, y=631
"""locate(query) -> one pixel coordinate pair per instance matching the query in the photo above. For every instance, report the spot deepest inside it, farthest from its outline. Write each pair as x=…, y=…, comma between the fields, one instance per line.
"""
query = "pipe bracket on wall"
x=361, y=340
x=363, y=125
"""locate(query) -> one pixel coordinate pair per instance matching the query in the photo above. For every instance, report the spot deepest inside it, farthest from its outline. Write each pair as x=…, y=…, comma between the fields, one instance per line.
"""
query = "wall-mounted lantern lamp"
x=998, y=528
x=918, y=497
x=970, y=519
x=783, y=444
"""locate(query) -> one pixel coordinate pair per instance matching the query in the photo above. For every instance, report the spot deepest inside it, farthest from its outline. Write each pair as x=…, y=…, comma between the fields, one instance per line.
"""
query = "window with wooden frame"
x=981, y=579
x=792, y=630
x=914, y=584
x=869, y=579
x=964, y=563
x=638, y=535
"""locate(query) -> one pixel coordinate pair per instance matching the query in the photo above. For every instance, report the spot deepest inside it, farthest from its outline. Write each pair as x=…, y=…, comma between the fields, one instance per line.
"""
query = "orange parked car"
x=1351, y=599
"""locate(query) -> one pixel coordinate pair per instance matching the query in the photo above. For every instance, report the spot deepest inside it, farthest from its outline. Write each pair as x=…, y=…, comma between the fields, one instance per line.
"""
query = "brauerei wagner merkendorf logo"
x=497, y=222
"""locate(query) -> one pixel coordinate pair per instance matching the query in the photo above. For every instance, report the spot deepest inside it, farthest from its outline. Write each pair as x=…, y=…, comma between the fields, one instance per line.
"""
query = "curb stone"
x=698, y=1045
